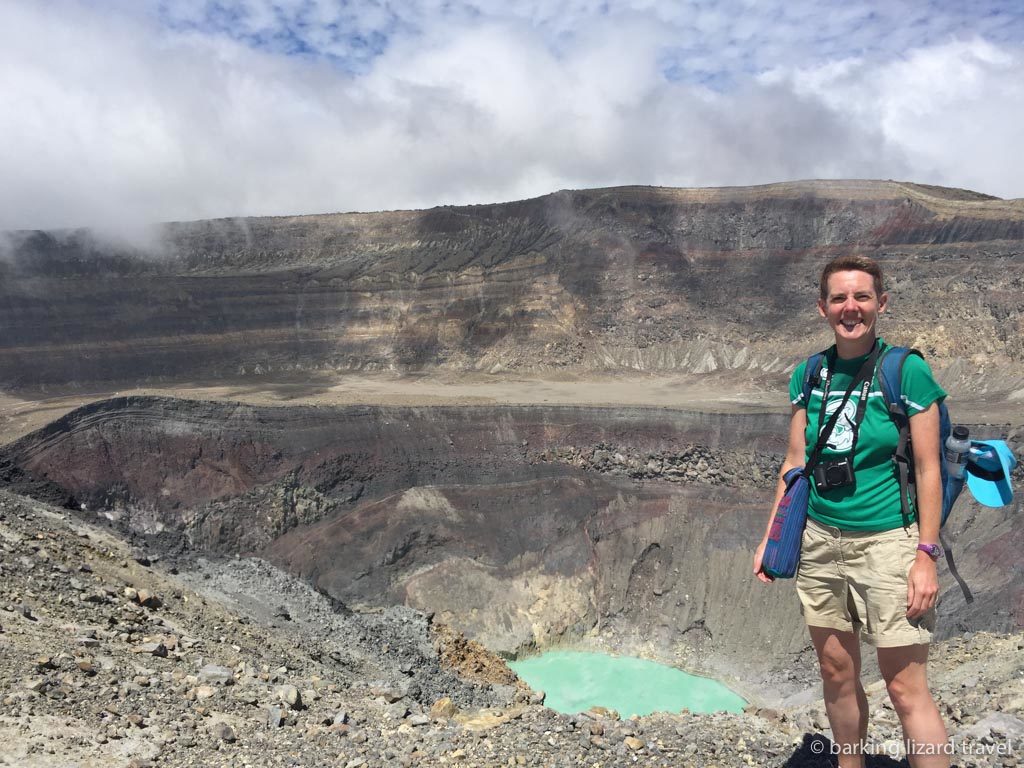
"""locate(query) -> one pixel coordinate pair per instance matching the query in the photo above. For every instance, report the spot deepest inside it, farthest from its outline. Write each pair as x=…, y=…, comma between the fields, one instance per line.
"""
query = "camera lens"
x=835, y=475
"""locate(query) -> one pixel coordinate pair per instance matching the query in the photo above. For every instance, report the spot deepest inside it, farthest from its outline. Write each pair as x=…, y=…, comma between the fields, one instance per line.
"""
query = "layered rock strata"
x=521, y=526
x=634, y=279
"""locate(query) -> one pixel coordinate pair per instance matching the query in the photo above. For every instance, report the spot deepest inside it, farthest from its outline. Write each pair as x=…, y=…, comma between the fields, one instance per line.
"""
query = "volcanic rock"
x=625, y=279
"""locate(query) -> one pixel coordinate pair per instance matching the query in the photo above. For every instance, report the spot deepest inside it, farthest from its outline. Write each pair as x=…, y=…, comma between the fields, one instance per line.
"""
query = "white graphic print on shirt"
x=841, y=438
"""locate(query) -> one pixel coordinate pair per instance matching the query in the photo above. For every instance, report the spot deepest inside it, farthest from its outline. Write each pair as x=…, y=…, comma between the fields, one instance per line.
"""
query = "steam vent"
x=289, y=491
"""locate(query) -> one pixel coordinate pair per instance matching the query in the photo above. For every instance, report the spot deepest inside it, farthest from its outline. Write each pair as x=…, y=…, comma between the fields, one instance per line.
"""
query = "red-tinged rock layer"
x=521, y=526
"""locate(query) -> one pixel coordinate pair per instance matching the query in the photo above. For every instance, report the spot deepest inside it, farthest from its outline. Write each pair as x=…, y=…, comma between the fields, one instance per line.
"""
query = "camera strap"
x=863, y=379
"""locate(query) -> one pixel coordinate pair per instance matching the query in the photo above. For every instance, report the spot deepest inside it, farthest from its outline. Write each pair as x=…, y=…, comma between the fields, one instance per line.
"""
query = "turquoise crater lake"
x=575, y=681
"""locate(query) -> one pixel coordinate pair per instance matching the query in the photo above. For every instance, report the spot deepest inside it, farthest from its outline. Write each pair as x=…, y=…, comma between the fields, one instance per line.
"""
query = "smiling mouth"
x=850, y=325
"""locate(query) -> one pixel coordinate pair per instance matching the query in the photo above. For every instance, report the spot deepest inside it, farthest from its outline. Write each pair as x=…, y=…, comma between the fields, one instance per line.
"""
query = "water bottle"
x=957, y=447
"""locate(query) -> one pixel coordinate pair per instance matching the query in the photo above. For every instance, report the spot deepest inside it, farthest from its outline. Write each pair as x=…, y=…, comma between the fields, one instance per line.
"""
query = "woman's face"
x=852, y=306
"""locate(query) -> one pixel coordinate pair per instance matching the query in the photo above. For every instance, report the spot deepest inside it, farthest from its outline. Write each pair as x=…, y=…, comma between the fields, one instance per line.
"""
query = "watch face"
x=932, y=549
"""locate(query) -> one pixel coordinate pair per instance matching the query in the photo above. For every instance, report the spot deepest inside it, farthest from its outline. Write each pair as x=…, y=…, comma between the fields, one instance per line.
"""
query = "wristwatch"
x=934, y=550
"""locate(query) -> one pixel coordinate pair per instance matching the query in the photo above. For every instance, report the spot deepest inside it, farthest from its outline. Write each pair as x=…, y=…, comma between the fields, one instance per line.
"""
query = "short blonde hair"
x=854, y=263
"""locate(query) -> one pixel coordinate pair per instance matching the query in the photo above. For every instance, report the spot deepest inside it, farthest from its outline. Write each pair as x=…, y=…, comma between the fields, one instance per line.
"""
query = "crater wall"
x=521, y=526
x=631, y=279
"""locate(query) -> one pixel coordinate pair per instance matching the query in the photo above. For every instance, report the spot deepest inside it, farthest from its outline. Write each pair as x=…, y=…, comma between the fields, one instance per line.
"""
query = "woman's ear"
x=821, y=308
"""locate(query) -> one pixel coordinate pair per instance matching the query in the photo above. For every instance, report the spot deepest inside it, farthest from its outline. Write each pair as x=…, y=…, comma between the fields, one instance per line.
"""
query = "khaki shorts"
x=856, y=581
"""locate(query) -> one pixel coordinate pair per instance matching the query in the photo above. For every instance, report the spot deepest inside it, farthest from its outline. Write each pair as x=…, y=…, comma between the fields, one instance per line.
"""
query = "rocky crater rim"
x=941, y=198
x=524, y=527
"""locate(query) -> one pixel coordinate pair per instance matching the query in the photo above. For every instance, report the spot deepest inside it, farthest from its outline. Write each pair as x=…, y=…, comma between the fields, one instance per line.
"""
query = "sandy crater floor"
x=23, y=411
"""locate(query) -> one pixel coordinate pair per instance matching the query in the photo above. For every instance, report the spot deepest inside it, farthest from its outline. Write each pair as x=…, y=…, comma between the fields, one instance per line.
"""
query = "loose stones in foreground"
x=83, y=679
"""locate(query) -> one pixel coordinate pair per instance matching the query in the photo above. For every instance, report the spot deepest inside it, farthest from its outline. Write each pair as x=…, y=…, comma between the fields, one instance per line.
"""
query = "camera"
x=833, y=474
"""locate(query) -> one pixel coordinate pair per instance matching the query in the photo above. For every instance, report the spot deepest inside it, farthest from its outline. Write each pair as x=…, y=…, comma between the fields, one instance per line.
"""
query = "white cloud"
x=955, y=110
x=115, y=119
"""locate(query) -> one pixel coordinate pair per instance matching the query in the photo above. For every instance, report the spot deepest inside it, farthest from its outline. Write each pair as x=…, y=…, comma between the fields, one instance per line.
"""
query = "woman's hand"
x=922, y=586
x=758, y=567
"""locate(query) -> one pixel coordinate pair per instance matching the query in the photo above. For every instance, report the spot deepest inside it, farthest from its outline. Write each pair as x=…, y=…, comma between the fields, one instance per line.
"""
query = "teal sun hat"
x=988, y=472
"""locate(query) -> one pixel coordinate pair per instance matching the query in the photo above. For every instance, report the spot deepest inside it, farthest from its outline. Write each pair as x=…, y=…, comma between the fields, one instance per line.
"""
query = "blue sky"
x=116, y=113
x=727, y=40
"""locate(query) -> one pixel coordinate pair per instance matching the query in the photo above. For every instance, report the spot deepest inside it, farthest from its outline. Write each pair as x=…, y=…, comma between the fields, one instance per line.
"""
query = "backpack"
x=890, y=378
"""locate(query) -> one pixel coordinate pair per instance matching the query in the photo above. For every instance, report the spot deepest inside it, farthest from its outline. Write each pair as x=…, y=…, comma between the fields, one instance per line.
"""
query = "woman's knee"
x=905, y=673
x=837, y=664
x=908, y=694
x=838, y=655
x=837, y=669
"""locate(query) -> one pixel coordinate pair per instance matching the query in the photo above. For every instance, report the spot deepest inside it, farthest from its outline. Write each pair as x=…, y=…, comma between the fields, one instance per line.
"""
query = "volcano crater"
x=524, y=527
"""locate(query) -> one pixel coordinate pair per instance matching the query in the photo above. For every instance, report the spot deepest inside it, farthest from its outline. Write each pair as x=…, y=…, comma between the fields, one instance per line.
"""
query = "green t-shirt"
x=872, y=503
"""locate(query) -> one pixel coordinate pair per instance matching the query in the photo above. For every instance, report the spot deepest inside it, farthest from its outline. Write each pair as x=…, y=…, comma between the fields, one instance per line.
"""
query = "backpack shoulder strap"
x=812, y=375
x=890, y=379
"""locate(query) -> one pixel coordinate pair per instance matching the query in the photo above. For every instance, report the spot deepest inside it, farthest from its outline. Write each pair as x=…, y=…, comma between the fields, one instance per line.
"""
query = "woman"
x=862, y=572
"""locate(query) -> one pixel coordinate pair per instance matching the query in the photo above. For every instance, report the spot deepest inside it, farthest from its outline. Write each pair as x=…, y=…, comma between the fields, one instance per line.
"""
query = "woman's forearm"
x=929, y=502
x=780, y=491
x=794, y=458
x=924, y=432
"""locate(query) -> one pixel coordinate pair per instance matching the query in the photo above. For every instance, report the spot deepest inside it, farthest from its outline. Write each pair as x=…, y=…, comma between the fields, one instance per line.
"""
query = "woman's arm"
x=923, y=581
x=795, y=455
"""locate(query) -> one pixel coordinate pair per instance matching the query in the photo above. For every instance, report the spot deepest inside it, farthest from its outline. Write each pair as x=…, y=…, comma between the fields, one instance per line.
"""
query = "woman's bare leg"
x=906, y=677
x=845, y=701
